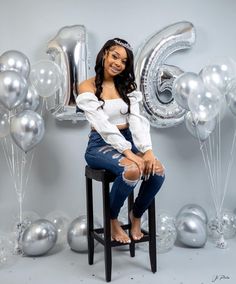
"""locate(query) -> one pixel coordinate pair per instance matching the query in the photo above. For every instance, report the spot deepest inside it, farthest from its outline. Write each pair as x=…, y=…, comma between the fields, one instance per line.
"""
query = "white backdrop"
x=57, y=176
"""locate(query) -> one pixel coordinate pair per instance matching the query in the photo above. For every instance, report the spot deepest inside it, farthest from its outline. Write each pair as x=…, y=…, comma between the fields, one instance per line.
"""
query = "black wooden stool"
x=103, y=235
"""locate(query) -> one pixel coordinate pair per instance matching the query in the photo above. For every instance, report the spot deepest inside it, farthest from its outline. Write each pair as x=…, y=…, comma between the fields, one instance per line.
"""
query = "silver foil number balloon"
x=69, y=49
x=39, y=238
x=13, y=89
x=149, y=59
x=27, y=129
x=191, y=230
x=16, y=61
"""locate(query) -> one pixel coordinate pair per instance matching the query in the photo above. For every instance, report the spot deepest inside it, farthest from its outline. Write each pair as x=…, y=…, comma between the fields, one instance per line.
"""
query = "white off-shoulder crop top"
x=113, y=113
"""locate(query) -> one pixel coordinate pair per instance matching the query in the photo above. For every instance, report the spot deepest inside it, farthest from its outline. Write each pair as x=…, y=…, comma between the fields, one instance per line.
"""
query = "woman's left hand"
x=152, y=165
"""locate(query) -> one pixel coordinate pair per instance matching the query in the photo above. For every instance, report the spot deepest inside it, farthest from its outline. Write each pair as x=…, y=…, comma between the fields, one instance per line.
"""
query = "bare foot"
x=117, y=233
x=135, y=227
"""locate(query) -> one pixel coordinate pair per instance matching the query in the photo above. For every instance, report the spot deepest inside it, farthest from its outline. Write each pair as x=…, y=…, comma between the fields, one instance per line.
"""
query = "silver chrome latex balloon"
x=4, y=123
x=194, y=209
x=199, y=129
x=148, y=61
x=230, y=96
x=39, y=238
x=31, y=100
x=61, y=222
x=77, y=234
x=27, y=129
x=191, y=230
x=16, y=61
x=13, y=89
x=69, y=49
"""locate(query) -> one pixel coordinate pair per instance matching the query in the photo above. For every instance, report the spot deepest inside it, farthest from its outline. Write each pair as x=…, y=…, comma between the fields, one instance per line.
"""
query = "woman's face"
x=115, y=61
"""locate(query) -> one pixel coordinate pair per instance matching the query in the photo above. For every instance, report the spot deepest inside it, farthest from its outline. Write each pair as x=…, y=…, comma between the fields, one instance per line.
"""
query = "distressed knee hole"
x=130, y=182
x=131, y=174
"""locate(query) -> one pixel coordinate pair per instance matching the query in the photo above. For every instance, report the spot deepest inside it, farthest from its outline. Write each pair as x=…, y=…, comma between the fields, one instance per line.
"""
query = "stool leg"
x=130, y=207
x=152, y=236
x=107, y=230
x=89, y=193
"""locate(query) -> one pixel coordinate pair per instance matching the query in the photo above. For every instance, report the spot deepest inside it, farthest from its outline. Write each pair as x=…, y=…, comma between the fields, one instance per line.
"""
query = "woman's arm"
x=139, y=125
x=89, y=103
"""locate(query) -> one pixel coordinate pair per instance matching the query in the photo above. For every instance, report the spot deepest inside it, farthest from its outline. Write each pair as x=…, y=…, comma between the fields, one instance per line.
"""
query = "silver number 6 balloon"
x=155, y=79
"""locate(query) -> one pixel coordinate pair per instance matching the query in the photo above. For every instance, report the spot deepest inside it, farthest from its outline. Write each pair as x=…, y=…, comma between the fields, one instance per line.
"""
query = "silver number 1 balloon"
x=69, y=49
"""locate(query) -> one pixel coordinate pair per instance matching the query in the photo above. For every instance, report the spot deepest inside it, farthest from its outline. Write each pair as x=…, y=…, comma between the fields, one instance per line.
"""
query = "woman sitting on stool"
x=120, y=140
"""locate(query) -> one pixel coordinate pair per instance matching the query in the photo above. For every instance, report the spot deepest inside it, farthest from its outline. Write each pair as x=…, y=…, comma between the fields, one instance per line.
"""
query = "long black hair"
x=125, y=81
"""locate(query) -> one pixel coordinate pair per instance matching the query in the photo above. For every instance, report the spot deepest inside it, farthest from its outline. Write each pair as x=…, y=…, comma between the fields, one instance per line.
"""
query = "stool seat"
x=103, y=235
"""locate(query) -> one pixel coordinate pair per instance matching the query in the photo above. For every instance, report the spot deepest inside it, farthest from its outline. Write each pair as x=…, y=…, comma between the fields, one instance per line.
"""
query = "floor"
x=178, y=266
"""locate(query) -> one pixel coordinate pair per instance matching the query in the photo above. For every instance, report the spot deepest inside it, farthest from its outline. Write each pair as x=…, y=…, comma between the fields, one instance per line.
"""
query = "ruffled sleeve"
x=91, y=106
x=138, y=124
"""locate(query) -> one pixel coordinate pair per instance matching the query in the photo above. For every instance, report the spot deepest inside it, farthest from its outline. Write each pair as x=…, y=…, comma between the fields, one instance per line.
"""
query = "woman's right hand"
x=136, y=159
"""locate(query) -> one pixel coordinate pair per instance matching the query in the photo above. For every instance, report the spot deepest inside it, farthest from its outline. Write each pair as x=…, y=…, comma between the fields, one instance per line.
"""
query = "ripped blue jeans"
x=100, y=155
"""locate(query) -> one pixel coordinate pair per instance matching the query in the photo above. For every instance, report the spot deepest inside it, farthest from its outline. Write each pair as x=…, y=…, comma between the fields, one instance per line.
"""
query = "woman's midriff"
x=120, y=126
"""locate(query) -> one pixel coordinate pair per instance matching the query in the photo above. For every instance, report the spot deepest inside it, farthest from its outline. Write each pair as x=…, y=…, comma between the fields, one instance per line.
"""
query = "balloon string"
x=42, y=108
x=31, y=157
x=14, y=164
x=17, y=169
x=218, y=168
x=205, y=157
x=211, y=146
x=207, y=166
x=210, y=175
x=4, y=146
x=59, y=101
x=22, y=173
x=229, y=168
x=23, y=166
x=220, y=161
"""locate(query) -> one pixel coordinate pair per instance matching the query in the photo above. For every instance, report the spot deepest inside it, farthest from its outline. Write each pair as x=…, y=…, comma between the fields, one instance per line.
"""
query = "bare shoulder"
x=86, y=86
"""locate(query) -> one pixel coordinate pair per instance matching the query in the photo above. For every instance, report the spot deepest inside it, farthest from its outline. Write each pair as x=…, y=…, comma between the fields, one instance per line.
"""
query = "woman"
x=119, y=140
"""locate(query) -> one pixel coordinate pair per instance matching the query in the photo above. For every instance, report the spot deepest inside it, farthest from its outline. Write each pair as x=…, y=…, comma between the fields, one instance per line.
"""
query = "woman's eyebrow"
x=119, y=54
